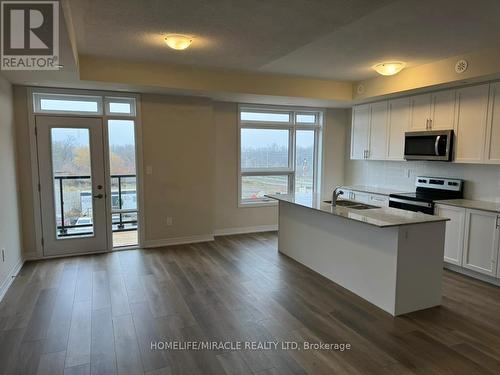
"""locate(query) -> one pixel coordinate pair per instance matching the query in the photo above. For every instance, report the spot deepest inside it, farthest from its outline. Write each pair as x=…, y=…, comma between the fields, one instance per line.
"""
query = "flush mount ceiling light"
x=389, y=68
x=178, y=42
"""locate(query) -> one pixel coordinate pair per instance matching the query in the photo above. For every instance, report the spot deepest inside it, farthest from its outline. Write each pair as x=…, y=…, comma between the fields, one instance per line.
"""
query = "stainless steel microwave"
x=429, y=145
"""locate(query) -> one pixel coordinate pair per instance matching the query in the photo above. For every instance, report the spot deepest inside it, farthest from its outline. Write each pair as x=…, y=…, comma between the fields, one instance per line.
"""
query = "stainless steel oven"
x=429, y=145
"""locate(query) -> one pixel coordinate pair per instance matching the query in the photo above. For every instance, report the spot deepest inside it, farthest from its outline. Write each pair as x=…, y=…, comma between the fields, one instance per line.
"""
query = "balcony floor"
x=128, y=238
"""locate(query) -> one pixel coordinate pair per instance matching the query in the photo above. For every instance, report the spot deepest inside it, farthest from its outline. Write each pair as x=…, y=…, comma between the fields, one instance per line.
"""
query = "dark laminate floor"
x=99, y=314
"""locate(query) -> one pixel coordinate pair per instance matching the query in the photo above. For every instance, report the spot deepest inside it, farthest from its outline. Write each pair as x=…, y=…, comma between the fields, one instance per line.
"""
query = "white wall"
x=10, y=236
x=482, y=182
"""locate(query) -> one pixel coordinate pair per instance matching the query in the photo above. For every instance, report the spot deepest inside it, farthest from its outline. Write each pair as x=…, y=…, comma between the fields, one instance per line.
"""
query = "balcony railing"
x=123, y=205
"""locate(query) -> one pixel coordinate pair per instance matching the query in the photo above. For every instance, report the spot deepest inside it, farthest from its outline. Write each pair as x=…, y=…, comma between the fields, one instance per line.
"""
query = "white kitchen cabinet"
x=420, y=112
x=433, y=111
x=471, y=124
x=481, y=242
x=360, y=197
x=493, y=130
x=442, y=110
x=454, y=240
x=378, y=131
x=379, y=200
x=398, y=124
x=360, y=131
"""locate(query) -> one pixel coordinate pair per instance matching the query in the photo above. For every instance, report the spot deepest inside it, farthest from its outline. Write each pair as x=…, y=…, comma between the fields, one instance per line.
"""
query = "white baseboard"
x=244, y=230
x=9, y=279
x=178, y=241
x=473, y=274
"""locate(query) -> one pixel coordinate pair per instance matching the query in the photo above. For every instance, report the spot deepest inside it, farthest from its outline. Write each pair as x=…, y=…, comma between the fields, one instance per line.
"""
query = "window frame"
x=292, y=126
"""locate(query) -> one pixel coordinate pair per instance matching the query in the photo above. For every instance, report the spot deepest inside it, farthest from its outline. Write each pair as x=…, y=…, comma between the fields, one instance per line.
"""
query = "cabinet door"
x=472, y=110
x=379, y=200
x=399, y=123
x=454, y=240
x=360, y=197
x=493, y=134
x=420, y=112
x=443, y=110
x=378, y=131
x=481, y=241
x=360, y=131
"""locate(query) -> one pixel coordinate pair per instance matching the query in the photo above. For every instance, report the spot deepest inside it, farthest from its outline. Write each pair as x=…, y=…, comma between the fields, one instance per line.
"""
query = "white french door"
x=72, y=184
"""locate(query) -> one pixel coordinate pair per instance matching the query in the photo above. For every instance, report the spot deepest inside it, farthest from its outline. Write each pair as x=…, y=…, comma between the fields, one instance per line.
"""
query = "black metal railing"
x=117, y=206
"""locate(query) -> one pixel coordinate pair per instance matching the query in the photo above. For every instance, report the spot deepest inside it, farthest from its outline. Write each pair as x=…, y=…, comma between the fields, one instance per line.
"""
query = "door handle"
x=98, y=196
x=436, y=145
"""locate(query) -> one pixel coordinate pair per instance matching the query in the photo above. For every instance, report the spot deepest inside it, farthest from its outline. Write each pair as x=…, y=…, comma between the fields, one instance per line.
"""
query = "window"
x=57, y=103
x=120, y=106
x=278, y=152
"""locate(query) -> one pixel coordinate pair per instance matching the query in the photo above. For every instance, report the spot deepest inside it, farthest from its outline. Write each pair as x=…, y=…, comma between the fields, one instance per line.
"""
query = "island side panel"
x=420, y=266
x=360, y=257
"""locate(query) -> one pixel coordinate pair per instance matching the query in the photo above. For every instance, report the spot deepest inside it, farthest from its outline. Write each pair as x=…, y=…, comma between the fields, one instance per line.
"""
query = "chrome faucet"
x=335, y=195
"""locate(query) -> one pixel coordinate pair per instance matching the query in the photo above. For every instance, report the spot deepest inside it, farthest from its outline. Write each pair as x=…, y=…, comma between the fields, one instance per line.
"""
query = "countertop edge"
x=441, y=219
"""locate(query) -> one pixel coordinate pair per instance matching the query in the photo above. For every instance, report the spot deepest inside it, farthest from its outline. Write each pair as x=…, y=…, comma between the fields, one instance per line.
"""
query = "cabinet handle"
x=498, y=222
x=427, y=124
x=430, y=124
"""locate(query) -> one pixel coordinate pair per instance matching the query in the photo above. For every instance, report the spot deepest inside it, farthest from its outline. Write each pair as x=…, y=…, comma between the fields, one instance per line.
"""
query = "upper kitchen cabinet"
x=433, y=111
x=360, y=131
x=420, y=112
x=398, y=124
x=442, y=110
x=493, y=130
x=377, y=149
x=471, y=124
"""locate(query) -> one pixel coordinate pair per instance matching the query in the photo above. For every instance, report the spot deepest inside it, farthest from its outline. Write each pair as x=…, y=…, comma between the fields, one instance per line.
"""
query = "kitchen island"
x=389, y=257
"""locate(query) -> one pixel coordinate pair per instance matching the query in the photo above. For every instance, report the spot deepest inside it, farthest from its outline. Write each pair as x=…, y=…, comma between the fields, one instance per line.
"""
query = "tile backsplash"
x=482, y=182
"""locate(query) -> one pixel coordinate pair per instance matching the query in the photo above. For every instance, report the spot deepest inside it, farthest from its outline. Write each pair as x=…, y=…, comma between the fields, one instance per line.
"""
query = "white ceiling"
x=337, y=39
x=416, y=32
x=231, y=34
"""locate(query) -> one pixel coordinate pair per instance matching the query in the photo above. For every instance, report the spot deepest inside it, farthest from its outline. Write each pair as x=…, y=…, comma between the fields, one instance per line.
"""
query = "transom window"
x=83, y=104
x=278, y=152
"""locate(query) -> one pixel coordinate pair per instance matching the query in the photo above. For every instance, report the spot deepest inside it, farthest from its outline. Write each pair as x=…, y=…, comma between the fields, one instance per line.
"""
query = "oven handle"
x=436, y=145
x=413, y=203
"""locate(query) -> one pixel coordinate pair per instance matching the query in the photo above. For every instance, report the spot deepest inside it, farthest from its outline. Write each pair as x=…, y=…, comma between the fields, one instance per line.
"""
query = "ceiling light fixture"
x=178, y=42
x=389, y=68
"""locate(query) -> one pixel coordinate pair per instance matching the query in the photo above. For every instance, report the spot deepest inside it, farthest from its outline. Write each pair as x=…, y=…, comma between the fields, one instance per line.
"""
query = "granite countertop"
x=380, y=217
x=469, y=203
x=372, y=189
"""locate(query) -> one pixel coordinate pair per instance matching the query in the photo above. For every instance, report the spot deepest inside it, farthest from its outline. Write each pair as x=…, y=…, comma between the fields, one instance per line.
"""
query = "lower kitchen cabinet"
x=472, y=239
x=454, y=241
x=481, y=241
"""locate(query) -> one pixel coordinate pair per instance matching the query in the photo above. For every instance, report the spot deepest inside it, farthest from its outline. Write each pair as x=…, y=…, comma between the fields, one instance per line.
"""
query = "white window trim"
x=293, y=127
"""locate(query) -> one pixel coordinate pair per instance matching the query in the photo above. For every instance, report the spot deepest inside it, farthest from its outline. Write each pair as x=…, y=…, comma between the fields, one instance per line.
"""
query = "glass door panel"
x=123, y=181
x=71, y=168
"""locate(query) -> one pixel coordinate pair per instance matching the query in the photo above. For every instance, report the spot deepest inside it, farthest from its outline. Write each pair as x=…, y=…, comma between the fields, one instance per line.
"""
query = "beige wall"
x=228, y=216
x=178, y=143
x=191, y=145
x=25, y=182
x=10, y=234
x=334, y=145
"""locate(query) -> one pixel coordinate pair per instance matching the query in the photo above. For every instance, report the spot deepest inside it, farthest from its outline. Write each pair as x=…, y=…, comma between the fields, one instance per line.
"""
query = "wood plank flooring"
x=99, y=314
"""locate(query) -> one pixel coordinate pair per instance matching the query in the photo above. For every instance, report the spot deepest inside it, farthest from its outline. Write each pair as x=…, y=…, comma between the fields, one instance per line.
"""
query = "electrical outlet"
x=3, y=255
x=170, y=221
x=149, y=169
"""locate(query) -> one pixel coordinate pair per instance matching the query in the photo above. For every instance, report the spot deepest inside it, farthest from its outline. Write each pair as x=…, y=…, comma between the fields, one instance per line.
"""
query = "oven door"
x=432, y=145
x=415, y=206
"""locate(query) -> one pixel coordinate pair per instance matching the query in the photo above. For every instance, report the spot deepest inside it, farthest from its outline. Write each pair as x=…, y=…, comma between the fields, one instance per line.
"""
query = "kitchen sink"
x=352, y=204
x=344, y=203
